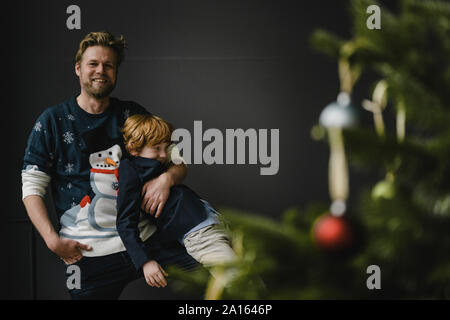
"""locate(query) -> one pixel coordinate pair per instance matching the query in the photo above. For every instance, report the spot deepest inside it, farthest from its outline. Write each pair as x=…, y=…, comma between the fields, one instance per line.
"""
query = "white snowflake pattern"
x=126, y=114
x=69, y=167
x=71, y=117
x=69, y=186
x=73, y=204
x=68, y=137
x=37, y=126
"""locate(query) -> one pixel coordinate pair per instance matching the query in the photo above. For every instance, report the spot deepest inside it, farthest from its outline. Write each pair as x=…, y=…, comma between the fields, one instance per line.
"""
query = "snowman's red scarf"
x=115, y=171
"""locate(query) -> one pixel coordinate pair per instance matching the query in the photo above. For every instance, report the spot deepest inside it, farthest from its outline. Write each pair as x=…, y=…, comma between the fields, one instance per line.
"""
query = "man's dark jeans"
x=105, y=277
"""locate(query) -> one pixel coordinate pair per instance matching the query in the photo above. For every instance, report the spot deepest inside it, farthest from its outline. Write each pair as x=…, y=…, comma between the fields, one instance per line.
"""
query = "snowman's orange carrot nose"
x=110, y=161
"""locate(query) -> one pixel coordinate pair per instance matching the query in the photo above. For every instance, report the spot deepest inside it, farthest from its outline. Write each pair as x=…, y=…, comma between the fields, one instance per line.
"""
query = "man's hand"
x=155, y=193
x=67, y=249
x=154, y=274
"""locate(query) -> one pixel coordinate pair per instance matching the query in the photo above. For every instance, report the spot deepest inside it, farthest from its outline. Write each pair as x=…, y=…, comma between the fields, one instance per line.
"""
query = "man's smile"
x=99, y=80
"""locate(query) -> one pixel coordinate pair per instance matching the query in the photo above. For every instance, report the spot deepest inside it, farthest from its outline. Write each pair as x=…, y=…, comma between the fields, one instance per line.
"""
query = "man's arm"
x=38, y=163
x=156, y=191
x=67, y=249
x=176, y=173
x=37, y=212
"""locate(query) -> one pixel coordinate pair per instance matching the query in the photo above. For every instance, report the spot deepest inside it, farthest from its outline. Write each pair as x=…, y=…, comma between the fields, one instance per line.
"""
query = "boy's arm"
x=128, y=204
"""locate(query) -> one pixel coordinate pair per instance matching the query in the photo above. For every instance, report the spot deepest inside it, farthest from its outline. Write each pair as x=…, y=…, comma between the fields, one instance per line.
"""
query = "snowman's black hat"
x=97, y=140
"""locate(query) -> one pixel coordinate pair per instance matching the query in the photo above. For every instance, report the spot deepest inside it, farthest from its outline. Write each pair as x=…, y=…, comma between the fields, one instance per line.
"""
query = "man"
x=76, y=147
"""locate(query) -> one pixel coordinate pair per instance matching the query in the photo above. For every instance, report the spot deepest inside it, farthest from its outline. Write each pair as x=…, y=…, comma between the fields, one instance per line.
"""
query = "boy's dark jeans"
x=105, y=277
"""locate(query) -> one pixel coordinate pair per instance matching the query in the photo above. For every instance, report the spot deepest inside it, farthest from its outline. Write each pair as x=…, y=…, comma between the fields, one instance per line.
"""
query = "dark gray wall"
x=231, y=64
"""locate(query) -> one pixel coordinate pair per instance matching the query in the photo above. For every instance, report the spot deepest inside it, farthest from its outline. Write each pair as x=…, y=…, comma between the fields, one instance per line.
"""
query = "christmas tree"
x=400, y=224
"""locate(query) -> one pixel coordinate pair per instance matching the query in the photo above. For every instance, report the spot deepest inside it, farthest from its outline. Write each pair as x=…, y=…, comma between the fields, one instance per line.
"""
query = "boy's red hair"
x=141, y=130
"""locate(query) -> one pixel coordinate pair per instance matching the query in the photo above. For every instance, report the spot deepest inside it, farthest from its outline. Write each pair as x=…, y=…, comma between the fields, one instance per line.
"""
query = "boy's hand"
x=154, y=274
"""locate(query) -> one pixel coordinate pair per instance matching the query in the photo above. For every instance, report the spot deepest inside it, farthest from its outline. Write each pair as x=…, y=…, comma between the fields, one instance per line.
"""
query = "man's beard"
x=99, y=93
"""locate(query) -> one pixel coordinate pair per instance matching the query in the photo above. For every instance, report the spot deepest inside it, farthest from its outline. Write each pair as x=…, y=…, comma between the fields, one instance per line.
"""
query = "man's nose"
x=163, y=154
x=100, y=68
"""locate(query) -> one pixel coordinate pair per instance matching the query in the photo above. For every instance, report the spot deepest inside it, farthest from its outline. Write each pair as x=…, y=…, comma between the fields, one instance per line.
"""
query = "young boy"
x=185, y=217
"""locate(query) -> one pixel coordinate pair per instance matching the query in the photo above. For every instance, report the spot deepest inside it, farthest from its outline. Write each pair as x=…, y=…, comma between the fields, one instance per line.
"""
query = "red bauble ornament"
x=332, y=233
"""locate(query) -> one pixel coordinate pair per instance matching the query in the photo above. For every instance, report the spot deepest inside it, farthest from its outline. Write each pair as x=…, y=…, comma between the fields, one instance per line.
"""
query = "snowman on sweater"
x=93, y=221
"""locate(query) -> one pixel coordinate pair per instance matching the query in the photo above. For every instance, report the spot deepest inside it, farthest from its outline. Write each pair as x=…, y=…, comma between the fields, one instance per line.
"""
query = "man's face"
x=97, y=71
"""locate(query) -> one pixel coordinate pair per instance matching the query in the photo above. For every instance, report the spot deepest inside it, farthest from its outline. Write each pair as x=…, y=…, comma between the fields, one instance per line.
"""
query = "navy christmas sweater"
x=81, y=153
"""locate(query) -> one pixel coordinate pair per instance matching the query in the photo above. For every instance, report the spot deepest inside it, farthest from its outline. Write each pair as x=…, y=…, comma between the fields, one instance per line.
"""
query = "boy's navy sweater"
x=183, y=211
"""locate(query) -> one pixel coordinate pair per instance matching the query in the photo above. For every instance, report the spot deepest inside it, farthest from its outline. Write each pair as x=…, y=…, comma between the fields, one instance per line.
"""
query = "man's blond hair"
x=105, y=39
